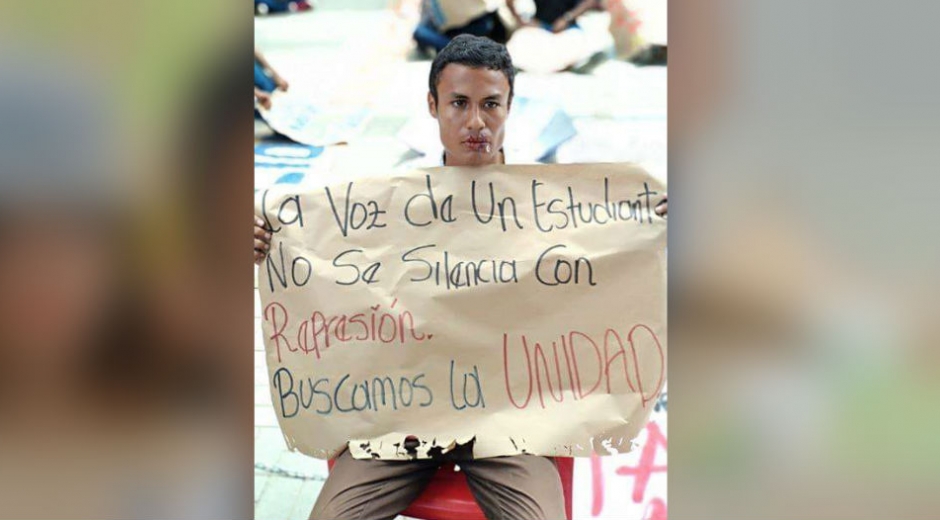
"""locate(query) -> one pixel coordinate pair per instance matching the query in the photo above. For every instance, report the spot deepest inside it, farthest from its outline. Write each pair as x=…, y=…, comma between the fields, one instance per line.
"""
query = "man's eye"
x=458, y=103
x=491, y=104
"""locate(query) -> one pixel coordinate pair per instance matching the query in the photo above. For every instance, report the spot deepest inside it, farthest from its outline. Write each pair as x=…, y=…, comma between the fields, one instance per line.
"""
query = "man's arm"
x=511, y=4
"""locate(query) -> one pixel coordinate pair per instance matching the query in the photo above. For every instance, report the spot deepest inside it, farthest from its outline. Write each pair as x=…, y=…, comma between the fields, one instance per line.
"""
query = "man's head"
x=471, y=87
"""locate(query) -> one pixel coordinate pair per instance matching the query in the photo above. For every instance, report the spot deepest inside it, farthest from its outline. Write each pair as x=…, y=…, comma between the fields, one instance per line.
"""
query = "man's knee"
x=519, y=487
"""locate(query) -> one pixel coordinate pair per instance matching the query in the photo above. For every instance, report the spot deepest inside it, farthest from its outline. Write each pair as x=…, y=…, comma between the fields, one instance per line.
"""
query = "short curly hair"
x=475, y=52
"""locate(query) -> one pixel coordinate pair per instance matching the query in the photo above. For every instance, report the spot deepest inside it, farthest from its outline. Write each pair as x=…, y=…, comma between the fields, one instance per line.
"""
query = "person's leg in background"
x=487, y=25
x=520, y=487
x=428, y=36
x=262, y=80
x=371, y=489
x=481, y=26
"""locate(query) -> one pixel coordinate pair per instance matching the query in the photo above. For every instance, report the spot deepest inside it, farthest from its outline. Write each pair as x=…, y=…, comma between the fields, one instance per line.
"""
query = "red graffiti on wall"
x=655, y=510
x=641, y=473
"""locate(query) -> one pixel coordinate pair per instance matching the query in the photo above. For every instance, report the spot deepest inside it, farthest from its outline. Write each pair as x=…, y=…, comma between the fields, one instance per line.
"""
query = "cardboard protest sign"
x=520, y=308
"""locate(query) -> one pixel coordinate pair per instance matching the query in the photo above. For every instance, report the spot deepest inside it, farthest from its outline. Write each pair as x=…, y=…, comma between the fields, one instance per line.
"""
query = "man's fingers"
x=262, y=233
x=261, y=230
x=662, y=209
x=262, y=240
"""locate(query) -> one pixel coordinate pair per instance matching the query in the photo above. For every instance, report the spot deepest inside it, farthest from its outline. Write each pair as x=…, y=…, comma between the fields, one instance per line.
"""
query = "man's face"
x=471, y=111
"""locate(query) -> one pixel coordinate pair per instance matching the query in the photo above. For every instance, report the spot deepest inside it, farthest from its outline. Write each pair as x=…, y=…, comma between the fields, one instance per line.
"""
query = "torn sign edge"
x=621, y=440
x=393, y=447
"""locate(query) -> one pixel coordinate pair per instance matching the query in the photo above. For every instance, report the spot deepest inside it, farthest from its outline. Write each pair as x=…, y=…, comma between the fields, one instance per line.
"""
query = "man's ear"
x=509, y=104
x=432, y=106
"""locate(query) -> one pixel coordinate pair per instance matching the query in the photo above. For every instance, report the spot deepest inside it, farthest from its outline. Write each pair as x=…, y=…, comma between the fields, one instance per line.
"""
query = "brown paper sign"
x=520, y=308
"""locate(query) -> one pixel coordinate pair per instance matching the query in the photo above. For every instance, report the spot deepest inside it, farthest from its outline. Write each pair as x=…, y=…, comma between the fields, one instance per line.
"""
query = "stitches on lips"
x=478, y=144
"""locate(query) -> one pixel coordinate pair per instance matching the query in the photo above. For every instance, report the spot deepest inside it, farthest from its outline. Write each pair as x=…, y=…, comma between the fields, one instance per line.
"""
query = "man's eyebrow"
x=491, y=97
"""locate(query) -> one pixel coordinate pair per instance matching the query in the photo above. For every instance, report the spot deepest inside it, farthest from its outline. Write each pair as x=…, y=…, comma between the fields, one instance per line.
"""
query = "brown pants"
x=521, y=487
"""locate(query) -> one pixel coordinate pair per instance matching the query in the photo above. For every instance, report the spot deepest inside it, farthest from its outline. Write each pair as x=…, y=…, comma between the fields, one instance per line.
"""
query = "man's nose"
x=475, y=123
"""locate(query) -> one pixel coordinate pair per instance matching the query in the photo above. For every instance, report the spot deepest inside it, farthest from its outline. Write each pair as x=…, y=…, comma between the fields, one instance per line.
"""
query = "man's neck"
x=501, y=159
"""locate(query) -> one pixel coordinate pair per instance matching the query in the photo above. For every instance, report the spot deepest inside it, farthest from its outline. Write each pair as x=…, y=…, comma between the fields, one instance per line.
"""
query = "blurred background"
x=123, y=390
x=803, y=294
x=348, y=85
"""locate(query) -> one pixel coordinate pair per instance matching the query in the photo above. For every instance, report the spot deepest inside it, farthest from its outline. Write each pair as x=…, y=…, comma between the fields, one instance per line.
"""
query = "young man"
x=471, y=90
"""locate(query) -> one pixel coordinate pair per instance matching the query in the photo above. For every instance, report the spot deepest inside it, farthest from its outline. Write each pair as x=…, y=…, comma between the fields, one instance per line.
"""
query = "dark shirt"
x=550, y=10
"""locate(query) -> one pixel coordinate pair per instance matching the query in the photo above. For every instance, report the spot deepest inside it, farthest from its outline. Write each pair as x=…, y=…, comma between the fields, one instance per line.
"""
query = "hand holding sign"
x=262, y=240
x=662, y=208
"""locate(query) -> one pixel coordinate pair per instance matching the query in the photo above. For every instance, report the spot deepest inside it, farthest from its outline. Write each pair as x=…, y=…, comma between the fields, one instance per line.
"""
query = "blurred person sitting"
x=442, y=20
x=267, y=80
x=554, y=15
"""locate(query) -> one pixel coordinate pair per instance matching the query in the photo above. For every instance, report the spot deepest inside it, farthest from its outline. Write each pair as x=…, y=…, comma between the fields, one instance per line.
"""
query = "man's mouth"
x=478, y=144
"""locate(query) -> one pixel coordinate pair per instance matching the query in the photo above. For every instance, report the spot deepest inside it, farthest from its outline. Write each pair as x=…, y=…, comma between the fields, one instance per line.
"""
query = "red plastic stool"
x=448, y=496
